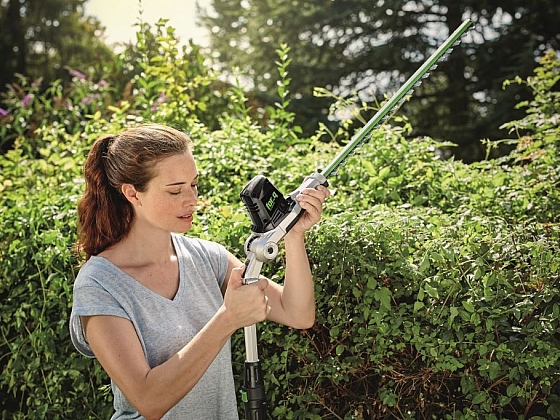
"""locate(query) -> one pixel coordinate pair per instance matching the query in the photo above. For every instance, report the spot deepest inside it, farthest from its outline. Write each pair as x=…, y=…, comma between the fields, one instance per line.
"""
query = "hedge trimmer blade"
x=397, y=99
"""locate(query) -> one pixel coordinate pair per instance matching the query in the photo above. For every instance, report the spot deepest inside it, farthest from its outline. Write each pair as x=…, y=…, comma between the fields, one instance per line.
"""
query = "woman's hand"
x=311, y=200
x=248, y=304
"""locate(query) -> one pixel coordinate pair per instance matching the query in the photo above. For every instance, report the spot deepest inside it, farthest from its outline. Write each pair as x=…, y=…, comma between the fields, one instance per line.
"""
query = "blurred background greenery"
x=360, y=50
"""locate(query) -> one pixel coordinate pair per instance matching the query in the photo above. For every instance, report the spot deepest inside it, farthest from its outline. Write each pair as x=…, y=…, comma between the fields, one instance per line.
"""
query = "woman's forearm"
x=298, y=298
x=183, y=371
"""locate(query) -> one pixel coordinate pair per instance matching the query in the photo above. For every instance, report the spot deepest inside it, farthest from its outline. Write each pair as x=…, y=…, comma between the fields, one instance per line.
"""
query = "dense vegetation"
x=437, y=282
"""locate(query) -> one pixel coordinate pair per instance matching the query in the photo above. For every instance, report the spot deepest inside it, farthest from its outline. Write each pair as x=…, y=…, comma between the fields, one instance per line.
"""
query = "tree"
x=367, y=48
x=41, y=38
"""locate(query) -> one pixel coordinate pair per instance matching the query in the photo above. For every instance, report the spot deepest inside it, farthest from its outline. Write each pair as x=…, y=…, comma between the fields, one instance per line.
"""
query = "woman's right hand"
x=247, y=303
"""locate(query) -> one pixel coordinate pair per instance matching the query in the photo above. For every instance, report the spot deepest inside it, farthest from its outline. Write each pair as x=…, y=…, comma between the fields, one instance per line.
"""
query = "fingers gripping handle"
x=312, y=181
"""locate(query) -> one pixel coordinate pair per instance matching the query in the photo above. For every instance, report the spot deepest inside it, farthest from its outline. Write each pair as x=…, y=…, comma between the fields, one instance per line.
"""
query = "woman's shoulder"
x=94, y=272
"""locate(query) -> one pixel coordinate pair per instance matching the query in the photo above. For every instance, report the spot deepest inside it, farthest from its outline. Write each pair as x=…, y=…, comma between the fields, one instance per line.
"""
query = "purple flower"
x=76, y=73
x=26, y=99
x=102, y=83
x=160, y=100
x=90, y=98
x=4, y=112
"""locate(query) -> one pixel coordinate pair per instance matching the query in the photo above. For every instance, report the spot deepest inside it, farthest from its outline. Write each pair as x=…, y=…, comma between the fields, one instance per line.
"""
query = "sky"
x=119, y=17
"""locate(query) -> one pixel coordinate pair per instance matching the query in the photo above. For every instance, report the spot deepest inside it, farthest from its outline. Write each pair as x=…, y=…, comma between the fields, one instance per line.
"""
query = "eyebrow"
x=181, y=182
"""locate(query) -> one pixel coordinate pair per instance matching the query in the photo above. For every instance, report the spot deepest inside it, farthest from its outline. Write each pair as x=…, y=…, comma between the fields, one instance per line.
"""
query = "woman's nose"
x=191, y=196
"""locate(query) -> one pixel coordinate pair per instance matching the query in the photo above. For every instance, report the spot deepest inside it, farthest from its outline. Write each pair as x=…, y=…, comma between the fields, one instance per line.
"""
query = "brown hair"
x=104, y=214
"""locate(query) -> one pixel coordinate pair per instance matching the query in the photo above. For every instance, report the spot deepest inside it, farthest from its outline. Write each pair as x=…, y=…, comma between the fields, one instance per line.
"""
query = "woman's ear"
x=130, y=193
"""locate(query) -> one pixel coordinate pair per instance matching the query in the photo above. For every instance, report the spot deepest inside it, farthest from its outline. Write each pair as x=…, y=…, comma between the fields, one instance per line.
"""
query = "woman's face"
x=171, y=196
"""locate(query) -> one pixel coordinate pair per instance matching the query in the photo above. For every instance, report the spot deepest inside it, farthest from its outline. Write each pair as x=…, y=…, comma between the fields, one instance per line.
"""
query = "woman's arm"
x=294, y=303
x=154, y=391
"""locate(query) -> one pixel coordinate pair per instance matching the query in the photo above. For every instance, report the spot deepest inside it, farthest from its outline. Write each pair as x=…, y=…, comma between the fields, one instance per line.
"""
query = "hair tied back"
x=106, y=142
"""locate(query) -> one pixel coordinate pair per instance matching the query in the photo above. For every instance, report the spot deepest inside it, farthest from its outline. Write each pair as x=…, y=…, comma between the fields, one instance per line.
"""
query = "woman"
x=155, y=307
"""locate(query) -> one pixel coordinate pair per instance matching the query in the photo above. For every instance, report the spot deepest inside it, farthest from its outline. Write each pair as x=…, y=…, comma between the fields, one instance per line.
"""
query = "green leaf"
x=468, y=305
x=479, y=397
x=418, y=306
x=512, y=390
x=384, y=172
x=424, y=264
x=383, y=295
x=431, y=291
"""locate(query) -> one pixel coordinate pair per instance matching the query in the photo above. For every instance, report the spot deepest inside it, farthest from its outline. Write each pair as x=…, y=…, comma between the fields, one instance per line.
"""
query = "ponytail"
x=104, y=215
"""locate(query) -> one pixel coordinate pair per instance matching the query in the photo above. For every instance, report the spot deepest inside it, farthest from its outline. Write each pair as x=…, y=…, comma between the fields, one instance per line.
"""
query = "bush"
x=41, y=374
x=437, y=282
x=423, y=314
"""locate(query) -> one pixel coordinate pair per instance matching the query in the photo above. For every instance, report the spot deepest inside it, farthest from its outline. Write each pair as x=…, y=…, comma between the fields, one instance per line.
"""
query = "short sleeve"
x=89, y=301
x=218, y=256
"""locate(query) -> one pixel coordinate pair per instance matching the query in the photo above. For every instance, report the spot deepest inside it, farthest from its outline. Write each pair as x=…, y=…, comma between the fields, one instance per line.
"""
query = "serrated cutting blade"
x=396, y=99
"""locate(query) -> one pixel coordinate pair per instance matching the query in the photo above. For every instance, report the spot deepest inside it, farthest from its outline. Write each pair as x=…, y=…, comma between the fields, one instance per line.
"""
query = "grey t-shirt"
x=164, y=326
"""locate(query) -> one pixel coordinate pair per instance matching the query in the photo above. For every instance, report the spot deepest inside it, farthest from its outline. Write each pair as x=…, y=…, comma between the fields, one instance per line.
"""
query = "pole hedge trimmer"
x=273, y=215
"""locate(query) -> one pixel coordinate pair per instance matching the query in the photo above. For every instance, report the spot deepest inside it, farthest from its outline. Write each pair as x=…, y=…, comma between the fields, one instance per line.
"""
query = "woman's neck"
x=142, y=247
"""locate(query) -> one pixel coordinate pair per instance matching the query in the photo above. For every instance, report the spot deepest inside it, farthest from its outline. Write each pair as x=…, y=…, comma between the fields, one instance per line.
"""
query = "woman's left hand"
x=311, y=200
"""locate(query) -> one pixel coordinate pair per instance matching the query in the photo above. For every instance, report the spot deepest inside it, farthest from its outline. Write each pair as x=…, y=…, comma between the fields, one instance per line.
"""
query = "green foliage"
x=434, y=315
x=42, y=376
x=172, y=81
x=540, y=123
x=437, y=282
x=59, y=107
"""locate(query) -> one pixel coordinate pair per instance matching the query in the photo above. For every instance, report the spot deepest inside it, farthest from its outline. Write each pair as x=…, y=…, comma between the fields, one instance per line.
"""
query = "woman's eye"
x=175, y=193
